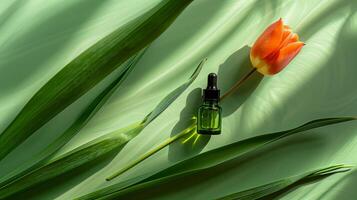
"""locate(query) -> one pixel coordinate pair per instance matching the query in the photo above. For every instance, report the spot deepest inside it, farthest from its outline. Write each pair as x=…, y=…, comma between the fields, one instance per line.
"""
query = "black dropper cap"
x=211, y=93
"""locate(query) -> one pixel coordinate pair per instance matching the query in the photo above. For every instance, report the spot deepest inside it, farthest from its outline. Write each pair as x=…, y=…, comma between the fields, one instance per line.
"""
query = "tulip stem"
x=238, y=84
x=153, y=151
x=181, y=134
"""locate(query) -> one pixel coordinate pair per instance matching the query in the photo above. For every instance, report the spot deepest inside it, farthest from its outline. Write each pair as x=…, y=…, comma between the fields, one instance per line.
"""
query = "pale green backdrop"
x=38, y=37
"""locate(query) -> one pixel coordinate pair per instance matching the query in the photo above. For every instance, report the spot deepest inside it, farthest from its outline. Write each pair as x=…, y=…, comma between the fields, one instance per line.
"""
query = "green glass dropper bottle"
x=209, y=118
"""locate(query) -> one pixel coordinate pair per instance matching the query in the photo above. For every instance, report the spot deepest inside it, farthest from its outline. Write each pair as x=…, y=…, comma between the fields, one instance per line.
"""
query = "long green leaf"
x=93, y=149
x=269, y=190
x=231, y=151
x=167, y=142
x=159, y=108
x=88, y=69
x=73, y=159
x=216, y=156
x=174, y=94
x=76, y=126
x=147, y=189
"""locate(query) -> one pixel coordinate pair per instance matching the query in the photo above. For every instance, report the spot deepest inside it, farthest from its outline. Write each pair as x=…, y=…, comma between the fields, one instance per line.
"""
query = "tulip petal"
x=275, y=48
x=269, y=41
x=264, y=69
x=286, y=54
x=288, y=37
x=286, y=34
x=294, y=38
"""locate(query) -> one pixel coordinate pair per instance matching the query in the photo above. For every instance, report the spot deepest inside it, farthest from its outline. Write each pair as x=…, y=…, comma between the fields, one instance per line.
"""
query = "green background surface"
x=38, y=37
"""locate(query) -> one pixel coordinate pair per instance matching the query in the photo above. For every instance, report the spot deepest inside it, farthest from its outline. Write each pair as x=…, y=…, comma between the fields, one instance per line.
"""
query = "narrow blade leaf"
x=88, y=69
x=272, y=189
x=73, y=159
x=174, y=94
x=231, y=151
x=215, y=157
x=91, y=150
x=143, y=190
x=76, y=126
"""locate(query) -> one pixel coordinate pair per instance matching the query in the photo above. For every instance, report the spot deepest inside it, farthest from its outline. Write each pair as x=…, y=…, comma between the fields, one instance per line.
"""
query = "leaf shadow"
x=181, y=183
x=345, y=188
x=9, y=12
x=188, y=25
x=309, y=95
x=236, y=66
x=346, y=191
x=309, y=158
x=41, y=43
x=186, y=28
x=328, y=14
x=279, y=194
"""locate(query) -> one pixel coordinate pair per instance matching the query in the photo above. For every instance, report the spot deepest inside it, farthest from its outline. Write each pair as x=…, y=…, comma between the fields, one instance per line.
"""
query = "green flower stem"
x=238, y=84
x=183, y=133
x=153, y=151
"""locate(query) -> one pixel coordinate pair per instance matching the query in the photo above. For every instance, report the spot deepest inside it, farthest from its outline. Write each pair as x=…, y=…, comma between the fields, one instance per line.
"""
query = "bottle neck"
x=210, y=102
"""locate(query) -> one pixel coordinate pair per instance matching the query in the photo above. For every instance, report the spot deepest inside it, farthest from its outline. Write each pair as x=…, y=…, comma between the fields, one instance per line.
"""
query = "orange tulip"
x=275, y=48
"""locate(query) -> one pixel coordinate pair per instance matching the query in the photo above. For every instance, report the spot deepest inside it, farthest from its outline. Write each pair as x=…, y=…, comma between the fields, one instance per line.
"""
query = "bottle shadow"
x=191, y=144
x=236, y=66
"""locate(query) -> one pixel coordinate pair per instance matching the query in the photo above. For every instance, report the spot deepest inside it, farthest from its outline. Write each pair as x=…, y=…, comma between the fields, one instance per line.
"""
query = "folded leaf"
x=73, y=159
x=190, y=129
x=88, y=69
x=174, y=94
x=148, y=189
x=93, y=149
x=159, y=108
x=273, y=189
x=76, y=126
x=231, y=151
x=214, y=157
